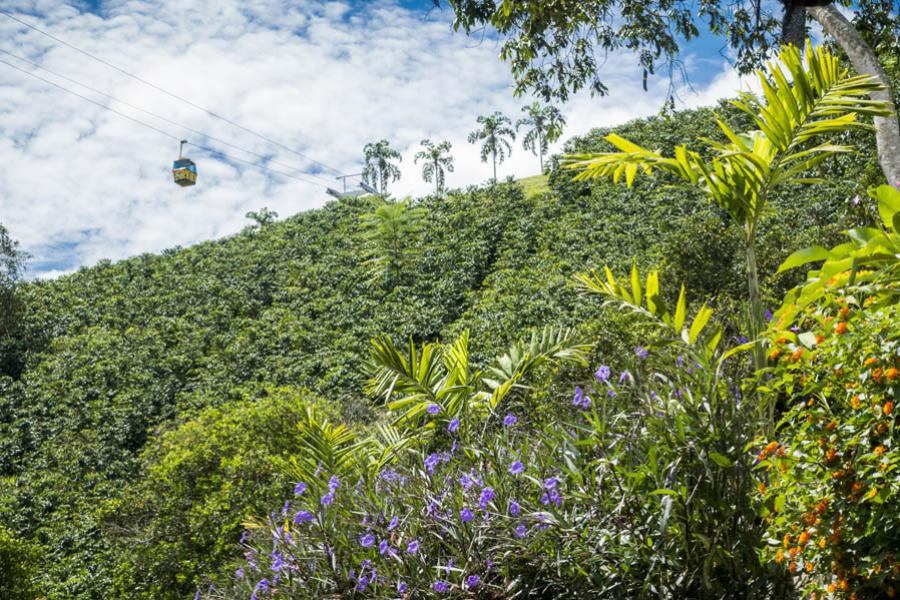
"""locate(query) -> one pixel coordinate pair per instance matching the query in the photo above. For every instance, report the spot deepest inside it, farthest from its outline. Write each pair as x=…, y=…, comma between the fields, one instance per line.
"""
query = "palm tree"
x=380, y=169
x=796, y=123
x=494, y=131
x=437, y=160
x=544, y=125
x=391, y=232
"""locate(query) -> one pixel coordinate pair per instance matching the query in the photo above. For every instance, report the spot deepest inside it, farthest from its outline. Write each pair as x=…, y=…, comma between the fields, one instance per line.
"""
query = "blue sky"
x=79, y=184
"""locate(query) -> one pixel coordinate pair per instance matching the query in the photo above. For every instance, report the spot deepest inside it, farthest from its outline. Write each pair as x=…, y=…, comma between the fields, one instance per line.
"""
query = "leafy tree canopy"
x=556, y=48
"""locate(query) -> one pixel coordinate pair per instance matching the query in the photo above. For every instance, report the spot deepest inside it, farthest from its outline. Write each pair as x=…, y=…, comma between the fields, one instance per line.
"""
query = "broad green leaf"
x=699, y=323
x=804, y=256
x=721, y=460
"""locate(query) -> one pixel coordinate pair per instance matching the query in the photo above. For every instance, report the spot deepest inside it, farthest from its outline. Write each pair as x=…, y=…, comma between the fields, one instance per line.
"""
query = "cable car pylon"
x=363, y=189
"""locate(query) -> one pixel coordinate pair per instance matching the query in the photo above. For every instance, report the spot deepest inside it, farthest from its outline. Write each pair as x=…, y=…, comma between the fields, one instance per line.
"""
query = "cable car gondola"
x=184, y=170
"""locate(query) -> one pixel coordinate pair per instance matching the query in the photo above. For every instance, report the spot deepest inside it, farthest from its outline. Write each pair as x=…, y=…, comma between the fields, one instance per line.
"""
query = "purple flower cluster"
x=581, y=400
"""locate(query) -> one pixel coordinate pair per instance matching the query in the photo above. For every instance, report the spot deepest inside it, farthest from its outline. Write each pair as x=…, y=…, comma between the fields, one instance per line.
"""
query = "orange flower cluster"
x=840, y=328
x=770, y=449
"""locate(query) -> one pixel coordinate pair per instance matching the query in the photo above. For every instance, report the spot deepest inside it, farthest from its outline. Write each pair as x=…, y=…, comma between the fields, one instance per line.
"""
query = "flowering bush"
x=639, y=485
x=830, y=479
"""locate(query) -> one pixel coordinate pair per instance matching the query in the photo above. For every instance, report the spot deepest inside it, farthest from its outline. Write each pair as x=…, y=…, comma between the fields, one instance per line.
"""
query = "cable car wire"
x=158, y=130
x=160, y=117
x=168, y=93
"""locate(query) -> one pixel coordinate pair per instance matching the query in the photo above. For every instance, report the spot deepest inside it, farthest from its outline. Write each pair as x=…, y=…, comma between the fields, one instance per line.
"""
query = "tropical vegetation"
x=597, y=390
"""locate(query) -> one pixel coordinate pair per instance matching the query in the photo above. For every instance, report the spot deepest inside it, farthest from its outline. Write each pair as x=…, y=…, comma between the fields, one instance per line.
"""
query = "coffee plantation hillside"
x=146, y=399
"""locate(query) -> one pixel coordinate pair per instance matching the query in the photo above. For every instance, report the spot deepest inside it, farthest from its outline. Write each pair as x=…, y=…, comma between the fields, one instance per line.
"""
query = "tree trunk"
x=495, y=167
x=793, y=24
x=865, y=61
x=541, y=151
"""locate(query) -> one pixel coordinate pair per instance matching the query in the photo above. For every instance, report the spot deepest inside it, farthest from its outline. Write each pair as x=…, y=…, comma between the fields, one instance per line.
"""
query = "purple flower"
x=197, y=595
x=402, y=587
x=509, y=420
x=603, y=373
x=431, y=461
x=441, y=586
x=550, y=483
x=413, y=547
x=768, y=315
x=623, y=376
x=579, y=396
x=472, y=581
x=277, y=561
x=517, y=468
x=239, y=574
x=487, y=494
x=362, y=583
x=327, y=499
x=466, y=515
x=453, y=426
x=334, y=483
x=300, y=489
x=383, y=547
x=641, y=352
x=514, y=508
x=393, y=523
x=433, y=409
x=521, y=530
x=367, y=540
x=262, y=586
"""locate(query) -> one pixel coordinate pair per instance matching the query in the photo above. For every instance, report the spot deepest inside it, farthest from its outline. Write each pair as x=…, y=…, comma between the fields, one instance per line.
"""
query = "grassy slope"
x=120, y=350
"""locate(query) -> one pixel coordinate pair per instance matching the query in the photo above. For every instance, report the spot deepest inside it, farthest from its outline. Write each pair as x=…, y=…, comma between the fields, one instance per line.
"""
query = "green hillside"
x=124, y=367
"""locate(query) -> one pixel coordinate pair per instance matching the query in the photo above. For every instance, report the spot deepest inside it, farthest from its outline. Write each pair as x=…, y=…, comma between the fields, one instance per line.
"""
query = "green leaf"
x=804, y=256
x=721, y=460
x=680, y=310
x=699, y=323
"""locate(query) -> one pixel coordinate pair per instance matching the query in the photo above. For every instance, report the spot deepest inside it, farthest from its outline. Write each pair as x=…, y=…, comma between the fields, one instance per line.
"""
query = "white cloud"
x=78, y=184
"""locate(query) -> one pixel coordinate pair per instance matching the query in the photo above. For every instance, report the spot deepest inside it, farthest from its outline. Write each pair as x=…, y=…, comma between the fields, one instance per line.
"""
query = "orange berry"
x=870, y=361
x=761, y=487
x=819, y=339
x=840, y=328
x=774, y=354
x=831, y=425
x=787, y=540
x=892, y=373
x=804, y=538
x=797, y=355
x=809, y=567
x=779, y=556
x=792, y=568
x=888, y=408
x=879, y=450
x=854, y=402
x=877, y=375
x=845, y=310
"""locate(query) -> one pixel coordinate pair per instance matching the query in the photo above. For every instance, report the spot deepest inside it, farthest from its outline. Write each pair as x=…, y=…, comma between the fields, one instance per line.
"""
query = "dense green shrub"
x=19, y=562
x=199, y=482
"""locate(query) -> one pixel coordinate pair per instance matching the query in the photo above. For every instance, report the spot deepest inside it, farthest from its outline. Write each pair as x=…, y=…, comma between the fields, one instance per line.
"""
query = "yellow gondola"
x=184, y=170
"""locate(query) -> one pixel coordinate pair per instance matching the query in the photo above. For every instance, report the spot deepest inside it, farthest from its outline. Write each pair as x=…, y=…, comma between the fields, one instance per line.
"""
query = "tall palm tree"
x=380, y=170
x=494, y=132
x=437, y=160
x=796, y=124
x=544, y=125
